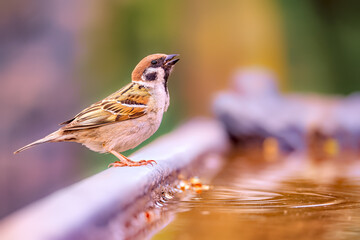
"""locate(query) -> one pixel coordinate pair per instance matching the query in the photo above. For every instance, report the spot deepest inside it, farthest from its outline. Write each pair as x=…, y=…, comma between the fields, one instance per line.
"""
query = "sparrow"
x=124, y=119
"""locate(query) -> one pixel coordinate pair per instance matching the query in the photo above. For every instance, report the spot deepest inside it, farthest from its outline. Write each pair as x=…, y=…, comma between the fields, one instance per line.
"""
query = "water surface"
x=292, y=198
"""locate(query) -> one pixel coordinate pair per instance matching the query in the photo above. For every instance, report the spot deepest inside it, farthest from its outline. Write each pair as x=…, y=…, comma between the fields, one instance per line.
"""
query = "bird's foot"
x=130, y=163
x=117, y=164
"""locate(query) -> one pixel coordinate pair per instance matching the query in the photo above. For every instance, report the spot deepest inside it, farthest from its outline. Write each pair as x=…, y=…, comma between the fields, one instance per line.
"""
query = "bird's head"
x=154, y=68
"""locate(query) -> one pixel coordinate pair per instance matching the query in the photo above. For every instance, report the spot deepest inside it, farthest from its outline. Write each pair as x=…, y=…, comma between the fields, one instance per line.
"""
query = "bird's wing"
x=128, y=103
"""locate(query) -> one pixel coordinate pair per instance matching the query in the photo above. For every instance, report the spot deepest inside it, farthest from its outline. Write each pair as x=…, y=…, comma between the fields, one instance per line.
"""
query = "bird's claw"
x=145, y=162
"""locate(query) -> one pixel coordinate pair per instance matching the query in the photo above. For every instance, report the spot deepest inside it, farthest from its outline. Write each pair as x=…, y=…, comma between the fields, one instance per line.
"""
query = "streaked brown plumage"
x=124, y=119
x=114, y=108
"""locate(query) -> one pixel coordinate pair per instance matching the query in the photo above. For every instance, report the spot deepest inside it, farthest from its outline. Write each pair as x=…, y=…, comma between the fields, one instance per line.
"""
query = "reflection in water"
x=288, y=199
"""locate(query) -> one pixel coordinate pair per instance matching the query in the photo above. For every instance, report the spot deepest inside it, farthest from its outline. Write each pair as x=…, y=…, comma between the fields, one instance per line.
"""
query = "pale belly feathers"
x=127, y=134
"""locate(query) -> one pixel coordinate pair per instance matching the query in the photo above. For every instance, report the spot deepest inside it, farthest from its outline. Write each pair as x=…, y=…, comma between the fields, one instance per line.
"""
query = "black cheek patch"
x=151, y=76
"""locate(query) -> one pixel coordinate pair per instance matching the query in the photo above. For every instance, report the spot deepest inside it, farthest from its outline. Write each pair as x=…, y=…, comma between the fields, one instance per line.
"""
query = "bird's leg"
x=125, y=162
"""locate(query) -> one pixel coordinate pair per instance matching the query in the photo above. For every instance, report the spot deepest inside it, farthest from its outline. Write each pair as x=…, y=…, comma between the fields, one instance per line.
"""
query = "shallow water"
x=292, y=198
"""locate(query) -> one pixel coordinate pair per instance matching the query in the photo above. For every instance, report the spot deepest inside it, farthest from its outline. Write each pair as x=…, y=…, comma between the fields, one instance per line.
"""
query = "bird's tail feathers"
x=49, y=138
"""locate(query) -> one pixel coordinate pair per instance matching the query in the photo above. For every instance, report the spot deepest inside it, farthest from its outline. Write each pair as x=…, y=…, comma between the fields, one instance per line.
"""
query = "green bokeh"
x=323, y=45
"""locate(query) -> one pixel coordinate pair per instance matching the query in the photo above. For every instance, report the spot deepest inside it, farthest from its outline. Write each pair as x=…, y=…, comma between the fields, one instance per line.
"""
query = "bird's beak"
x=171, y=60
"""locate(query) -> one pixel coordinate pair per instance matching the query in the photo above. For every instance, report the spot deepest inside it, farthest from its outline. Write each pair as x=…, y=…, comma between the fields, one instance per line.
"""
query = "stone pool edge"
x=80, y=211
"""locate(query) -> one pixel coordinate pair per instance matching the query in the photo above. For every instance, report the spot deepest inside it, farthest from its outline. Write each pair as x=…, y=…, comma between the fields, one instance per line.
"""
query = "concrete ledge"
x=108, y=205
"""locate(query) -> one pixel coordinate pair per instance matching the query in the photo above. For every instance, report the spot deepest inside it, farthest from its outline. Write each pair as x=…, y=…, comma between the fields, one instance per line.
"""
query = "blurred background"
x=57, y=57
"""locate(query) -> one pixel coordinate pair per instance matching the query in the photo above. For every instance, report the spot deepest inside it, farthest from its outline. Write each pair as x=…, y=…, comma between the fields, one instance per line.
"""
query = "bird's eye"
x=153, y=62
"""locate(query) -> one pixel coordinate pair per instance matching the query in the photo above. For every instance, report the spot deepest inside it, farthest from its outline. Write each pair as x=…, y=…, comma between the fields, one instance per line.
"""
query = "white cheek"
x=160, y=73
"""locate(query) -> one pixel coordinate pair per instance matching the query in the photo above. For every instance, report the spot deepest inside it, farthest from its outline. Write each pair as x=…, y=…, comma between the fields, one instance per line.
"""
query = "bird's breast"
x=159, y=100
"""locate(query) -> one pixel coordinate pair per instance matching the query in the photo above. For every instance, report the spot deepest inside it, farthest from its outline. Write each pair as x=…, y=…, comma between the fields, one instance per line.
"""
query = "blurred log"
x=115, y=203
x=254, y=111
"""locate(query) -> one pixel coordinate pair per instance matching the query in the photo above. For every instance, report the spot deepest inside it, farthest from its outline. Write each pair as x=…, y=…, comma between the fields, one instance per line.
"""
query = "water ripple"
x=222, y=198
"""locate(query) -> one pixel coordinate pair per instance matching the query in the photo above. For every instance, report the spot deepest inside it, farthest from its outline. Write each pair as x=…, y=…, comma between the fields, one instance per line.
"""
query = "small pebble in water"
x=183, y=185
x=196, y=185
x=193, y=184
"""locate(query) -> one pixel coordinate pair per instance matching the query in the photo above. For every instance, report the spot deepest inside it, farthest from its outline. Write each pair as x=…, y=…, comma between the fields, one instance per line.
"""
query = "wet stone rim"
x=110, y=203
